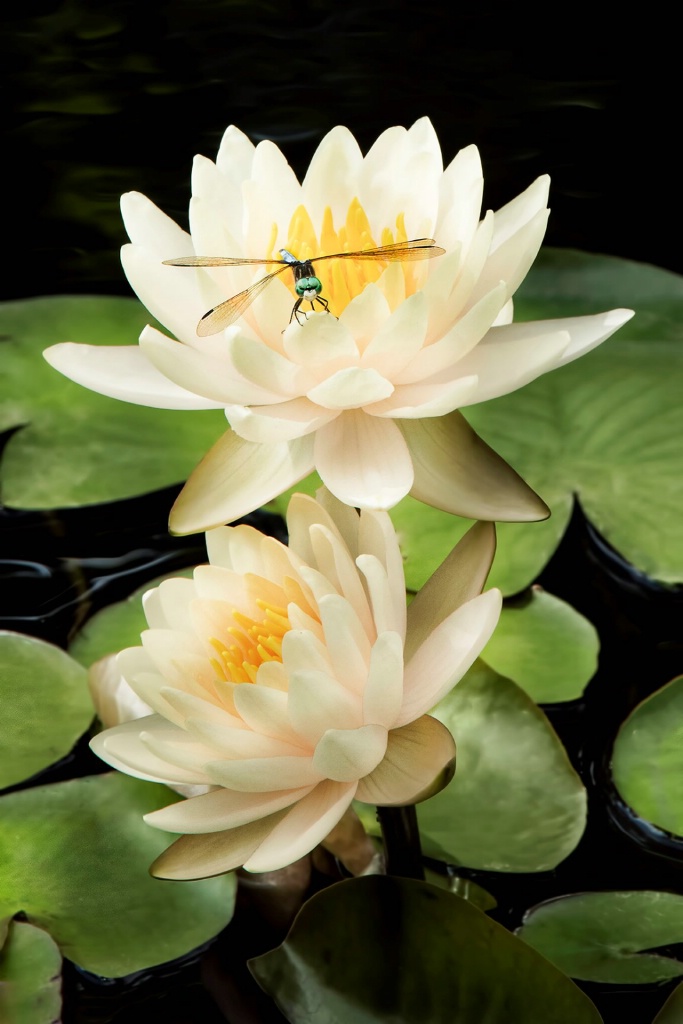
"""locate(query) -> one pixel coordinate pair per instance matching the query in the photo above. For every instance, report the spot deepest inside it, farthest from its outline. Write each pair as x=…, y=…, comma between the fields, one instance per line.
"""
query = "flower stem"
x=401, y=841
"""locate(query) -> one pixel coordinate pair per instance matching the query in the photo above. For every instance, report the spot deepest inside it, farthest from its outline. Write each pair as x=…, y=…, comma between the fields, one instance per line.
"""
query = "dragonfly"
x=307, y=286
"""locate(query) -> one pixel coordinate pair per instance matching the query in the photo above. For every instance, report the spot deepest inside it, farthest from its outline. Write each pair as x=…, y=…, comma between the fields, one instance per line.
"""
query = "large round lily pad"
x=647, y=760
x=380, y=950
x=597, y=936
x=45, y=703
x=515, y=802
x=76, y=447
x=30, y=977
x=76, y=859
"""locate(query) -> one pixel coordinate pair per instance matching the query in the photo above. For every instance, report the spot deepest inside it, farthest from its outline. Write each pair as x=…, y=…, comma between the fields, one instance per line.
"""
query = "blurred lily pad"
x=545, y=646
x=647, y=759
x=672, y=1011
x=45, y=703
x=605, y=428
x=515, y=803
x=30, y=977
x=420, y=956
x=76, y=447
x=76, y=859
x=597, y=936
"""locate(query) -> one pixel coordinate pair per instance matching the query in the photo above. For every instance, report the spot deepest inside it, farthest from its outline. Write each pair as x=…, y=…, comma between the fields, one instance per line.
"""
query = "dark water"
x=103, y=98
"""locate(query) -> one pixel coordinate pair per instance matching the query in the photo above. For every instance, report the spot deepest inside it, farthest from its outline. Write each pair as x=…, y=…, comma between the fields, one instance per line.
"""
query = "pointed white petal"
x=346, y=755
x=221, y=809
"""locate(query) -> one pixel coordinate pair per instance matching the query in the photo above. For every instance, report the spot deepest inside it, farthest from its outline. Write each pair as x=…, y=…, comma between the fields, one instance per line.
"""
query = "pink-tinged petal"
x=346, y=641
x=201, y=373
x=456, y=471
x=364, y=460
x=303, y=512
x=268, y=369
x=221, y=809
x=332, y=176
x=447, y=653
x=459, y=578
x=303, y=827
x=380, y=595
x=399, y=338
x=303, y=651
x=123, y=372
x=265, y=711
x=230, y=742
x=204, y=856
x=322, y=343
x=334, y=561
x=235, y=477
x=345, y=518
x=383, y=694
x=263, y=774
x=346, y=755
x=317, y=698
x=512, y=260
x=351, y=389
x=273, y=675
x=420, y=761
x=377, y=537
x=509, y=219
x=148, y=686
x=414, y=401
x=200, y=710
x=123, y=747
x=282, y=422
x=113, y=698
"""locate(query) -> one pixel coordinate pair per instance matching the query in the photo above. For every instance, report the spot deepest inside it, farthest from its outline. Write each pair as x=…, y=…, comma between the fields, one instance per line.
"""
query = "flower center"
x=342, y=279
x=255, y=641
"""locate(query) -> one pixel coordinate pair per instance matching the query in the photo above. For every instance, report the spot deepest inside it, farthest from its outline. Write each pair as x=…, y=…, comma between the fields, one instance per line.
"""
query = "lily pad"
x=605, y=428
x=76, y=859
x=76, y=447
x=30, y=977
x=597, y=936
x=515, y=803
x=647, y=760
x=45, y=703
x=672, y=1011
x=545, y=646
x=420, y=956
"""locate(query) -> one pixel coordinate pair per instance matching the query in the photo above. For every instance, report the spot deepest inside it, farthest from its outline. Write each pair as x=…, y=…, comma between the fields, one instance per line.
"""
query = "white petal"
x=221, y=809
x=462, y=187
x=414, y=401
x=364, y=460
x=520, y=210
x=346, y=755
x=447, y=653
x=318, y=702
x=268, y=369
x=383, y=694
x=334, y=561
x=321, y=342
x=302, y=828
x=456, y=471
x=214, y=853
x=399, y=339
x=124, y=372
x=332, y=176
x=283, y=422
x=351, y=389
x=346, y=641
x=235, y=477
x=265, y=711
x=123, y=747
x=512, y=260
x=263, y=774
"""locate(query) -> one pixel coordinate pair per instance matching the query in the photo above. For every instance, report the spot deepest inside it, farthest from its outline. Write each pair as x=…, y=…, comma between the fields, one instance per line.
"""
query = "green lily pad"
x=647, y=760
x=116, y=627
x=545, y=646
x=465, y=888
x=597, y=936
x=420, y=956
x=76, y=859
x=76, y=447
x=30, y=977
x=45, y=703
x=672, y=1011
x=605, y=428
x=515, y=803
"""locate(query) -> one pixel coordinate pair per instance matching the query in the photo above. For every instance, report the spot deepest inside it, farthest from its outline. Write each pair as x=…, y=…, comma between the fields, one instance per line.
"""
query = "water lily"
x=294, y=680
x=368, y=396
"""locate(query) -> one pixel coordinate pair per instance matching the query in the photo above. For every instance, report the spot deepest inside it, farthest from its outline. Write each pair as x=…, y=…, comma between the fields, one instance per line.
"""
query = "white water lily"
x=294, y=680
x=367, y=396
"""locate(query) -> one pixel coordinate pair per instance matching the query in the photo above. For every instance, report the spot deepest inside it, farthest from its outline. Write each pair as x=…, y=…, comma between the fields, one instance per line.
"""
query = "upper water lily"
x=293, y=680
x=368, y=395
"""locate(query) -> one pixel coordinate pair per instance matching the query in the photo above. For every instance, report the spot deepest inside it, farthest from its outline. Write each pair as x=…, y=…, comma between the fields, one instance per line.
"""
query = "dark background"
x=103, y=97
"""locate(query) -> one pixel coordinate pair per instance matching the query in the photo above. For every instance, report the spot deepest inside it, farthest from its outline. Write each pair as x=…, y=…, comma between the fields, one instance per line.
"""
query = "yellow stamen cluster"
x=254, y=642
x=342, y=280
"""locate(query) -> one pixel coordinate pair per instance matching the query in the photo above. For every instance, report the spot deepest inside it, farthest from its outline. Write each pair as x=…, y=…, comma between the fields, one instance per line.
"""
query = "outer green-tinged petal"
x=456, y=471
x=235, y=477
x=419, y=761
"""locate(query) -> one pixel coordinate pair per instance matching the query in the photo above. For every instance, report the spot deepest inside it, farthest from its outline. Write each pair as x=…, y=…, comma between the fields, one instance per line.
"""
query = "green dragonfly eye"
x=308, y=284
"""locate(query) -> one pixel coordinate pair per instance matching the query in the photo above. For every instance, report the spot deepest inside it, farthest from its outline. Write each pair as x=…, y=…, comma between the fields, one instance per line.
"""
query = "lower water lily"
x=292, y=680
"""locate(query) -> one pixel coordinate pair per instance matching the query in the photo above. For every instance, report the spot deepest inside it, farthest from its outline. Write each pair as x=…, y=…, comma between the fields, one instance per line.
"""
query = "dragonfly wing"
x=218, y=261
x=225, y=314
x=416, y=249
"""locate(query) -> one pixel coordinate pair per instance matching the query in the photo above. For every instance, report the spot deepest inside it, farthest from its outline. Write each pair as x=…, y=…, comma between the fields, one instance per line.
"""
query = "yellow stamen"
x=255, y=643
